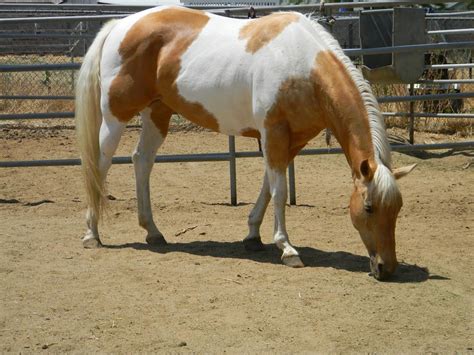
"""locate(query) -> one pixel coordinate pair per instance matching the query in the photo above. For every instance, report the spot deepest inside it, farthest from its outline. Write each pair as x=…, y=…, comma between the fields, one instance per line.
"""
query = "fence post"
x=470, y=68
x=232, y=172
x=291, y=182
x=412, y=116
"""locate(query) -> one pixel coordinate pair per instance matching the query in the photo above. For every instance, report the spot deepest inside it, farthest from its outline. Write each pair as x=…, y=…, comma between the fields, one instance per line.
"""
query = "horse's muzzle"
x=379, y=270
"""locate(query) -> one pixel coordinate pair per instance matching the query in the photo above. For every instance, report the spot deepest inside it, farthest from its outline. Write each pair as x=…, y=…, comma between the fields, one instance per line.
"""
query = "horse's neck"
x=341, y=104
x=352, y=131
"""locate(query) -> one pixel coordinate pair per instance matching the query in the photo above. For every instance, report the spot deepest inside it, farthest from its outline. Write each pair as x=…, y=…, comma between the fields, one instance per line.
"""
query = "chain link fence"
x=41, y=42
x=36, y=91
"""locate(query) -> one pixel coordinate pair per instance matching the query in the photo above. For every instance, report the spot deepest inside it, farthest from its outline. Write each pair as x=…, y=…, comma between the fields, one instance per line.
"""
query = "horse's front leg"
x=253, y=242
x=277, y=157
x=155, y=121
x=279, y=193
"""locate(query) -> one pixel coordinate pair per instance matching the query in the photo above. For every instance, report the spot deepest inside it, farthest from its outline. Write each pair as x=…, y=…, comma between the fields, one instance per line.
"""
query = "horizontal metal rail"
x=14, y=35
x=399, y=148
x=457, y=95
x=93, y=8
x=62, y=19
x=428, y=114
x=457, y=31
x=439, y=14
x=88, y=7
x=446, y=81
x=408, y=48
x=63, y=115
x=38, y=97
x=443, y=18
x=9, y=68
x=39, y=50
x=35, y=116
x=213, y=157
x=450, y=66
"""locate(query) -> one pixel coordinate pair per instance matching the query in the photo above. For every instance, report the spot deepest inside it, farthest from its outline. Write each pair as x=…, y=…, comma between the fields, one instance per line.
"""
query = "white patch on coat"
x=237, y=87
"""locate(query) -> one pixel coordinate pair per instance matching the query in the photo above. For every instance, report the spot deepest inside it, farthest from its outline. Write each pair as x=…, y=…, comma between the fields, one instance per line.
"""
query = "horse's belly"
x=230, y=105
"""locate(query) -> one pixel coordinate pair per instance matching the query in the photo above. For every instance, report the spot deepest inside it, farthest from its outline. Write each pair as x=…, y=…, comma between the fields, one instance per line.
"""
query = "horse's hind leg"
x=111, y=130
x=253, y=241
x=155, y=127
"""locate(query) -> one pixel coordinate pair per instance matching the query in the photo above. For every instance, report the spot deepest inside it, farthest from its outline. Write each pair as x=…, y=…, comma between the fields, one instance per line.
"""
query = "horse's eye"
x=368, y=208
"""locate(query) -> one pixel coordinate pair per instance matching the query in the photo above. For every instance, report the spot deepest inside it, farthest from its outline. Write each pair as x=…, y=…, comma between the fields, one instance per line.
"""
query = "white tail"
x=88, y=120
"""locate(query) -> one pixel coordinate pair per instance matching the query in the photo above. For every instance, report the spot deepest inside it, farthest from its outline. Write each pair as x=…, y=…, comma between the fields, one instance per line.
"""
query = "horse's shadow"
x=311, y=257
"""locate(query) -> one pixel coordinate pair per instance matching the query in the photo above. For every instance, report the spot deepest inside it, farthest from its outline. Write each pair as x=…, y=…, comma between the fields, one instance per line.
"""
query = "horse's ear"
x=403, y=171
x=366, y=170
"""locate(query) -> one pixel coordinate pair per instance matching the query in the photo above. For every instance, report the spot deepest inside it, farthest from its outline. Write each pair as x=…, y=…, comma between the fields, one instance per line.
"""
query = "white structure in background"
x=231, y=3
x=141, y=2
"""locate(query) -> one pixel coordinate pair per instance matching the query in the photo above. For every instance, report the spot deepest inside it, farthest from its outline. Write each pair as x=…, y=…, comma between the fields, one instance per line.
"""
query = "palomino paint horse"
x=281, y=78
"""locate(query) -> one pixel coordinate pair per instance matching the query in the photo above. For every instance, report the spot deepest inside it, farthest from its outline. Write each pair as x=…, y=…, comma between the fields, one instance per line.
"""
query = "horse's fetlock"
x=135, y=156
x=280, y=238
x=143, y=222
x=253, y=221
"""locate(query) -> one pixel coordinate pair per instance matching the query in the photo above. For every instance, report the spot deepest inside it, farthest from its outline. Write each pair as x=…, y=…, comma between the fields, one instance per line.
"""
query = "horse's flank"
x=155, y=44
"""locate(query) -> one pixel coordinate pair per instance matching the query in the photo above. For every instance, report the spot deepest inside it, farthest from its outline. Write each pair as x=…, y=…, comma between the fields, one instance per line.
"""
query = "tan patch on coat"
x=304, y=106
x=151, y=61
x=262, y=31
x=250, y=132
x=160, y=116
x=292, y=121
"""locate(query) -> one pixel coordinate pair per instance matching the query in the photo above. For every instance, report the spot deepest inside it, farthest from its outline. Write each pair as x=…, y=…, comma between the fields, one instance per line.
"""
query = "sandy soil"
x=203, y=293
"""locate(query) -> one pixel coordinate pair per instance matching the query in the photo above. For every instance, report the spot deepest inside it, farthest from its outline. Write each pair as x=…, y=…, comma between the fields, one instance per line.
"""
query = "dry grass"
x=41, y=83
x=459, y=126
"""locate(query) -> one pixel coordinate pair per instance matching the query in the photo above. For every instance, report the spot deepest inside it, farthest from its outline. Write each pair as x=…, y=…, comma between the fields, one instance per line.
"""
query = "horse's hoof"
x=254, y=244
x=292, y=261
x=90, y=242
x=156, y=240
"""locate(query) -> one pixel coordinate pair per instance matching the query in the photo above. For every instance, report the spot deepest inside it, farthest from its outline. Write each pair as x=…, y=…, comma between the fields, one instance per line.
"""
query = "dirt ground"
x=203, y=293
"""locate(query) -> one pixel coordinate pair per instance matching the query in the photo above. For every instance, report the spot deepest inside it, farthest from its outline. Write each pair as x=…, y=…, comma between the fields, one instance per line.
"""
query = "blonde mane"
x=384, y=182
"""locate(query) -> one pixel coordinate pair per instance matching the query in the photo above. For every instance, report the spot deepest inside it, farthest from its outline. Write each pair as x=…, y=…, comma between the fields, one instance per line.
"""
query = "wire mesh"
x=39, y=83
x=52, y=42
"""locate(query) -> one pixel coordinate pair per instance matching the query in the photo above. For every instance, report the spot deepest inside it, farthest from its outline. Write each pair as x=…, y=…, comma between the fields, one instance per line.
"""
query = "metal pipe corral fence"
x=101, y=13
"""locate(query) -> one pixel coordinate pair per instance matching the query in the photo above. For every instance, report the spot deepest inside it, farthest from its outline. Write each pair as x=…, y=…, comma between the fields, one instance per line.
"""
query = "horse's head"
x=374, y=207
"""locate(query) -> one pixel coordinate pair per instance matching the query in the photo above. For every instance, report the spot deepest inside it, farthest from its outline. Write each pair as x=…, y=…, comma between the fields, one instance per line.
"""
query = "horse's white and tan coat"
x=280, y=78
